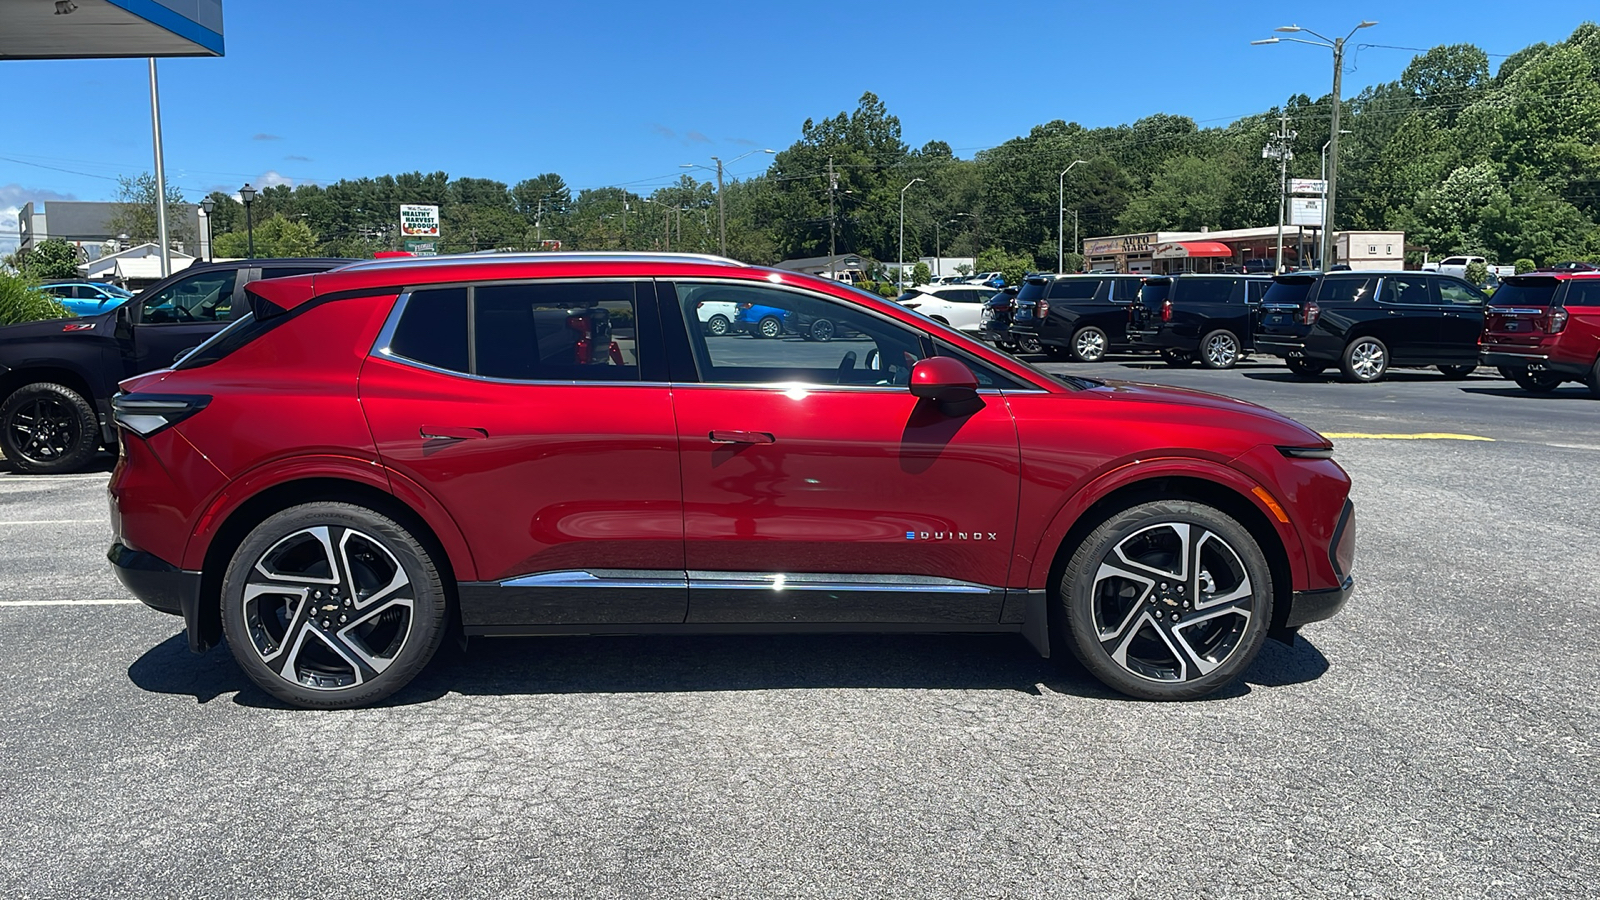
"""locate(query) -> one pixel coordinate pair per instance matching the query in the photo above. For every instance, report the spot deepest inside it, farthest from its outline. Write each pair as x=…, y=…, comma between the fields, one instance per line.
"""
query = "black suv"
x=1075, y=315
x=1206, y=317
x=1367, y=322
x=57, y=376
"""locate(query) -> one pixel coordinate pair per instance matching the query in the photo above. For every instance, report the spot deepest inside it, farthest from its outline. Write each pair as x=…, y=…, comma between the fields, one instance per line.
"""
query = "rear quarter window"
x=1344, y=290
x=1074, y=289
x=1203, y=291
x=1581, y=292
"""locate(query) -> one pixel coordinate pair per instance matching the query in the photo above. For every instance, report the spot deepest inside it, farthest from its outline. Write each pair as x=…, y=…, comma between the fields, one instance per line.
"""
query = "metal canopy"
x=90, y=29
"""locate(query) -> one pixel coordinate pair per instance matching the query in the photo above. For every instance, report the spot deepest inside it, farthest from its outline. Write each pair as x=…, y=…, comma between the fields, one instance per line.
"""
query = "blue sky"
x=609, y=93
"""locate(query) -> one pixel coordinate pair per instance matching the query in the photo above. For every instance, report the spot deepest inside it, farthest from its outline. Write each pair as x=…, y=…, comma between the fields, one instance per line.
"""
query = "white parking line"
x=109, y=601
x=58, y=522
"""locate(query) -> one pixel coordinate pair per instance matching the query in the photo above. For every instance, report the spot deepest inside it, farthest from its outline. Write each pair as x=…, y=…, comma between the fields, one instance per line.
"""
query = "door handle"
x=742, y=437
x=453, y=433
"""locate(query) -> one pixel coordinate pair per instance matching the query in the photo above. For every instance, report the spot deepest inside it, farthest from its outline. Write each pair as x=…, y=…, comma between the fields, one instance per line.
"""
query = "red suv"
x=1543, y=328
x=551, y=445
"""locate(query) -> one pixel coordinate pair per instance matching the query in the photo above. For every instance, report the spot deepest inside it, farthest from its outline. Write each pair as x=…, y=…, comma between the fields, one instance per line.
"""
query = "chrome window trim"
x=603, y=578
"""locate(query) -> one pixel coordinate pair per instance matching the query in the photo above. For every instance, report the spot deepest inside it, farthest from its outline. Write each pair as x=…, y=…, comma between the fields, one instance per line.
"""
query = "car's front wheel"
x=48, y=429
x=769, y=327
x=821, y=330
x=332, y=605
x=1365, y=360
x=1089, y=344
x=1168, y=600
x=717, y=325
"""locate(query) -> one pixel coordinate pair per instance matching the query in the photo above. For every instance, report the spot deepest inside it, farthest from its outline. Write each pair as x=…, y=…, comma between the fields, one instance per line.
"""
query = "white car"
x=717, y=316
x=957, y=305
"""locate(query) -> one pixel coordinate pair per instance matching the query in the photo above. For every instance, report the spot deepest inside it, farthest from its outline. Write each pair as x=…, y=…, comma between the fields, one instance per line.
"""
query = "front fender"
x=1074, y=506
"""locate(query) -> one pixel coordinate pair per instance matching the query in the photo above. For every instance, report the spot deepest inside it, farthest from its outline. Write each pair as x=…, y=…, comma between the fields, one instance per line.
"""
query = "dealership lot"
x=1438, y=738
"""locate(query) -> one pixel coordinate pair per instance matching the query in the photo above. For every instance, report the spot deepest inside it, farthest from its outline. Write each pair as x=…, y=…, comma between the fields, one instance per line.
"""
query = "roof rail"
x=548, y=257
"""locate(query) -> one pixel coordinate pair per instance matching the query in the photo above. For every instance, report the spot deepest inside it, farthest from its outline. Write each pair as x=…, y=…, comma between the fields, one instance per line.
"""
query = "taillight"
x=746, y=305
x=1166, y=310
x=583, y=349
x=146, y=414
x=1557, y=321
x=1042, y=309
x=1309, y=313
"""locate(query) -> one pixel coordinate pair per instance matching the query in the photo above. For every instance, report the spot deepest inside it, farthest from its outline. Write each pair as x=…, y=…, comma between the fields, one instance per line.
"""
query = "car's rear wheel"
x=1365, y=360
x=1457, y=373
x=1536, y=380
x=1305, y=368
x=821, y=330
x=769, y=327
x=1176, y=358
x=1089, y=344
x=1219, y=350
x=1593, y=381
x=1028, y=345
x=1167, y=600
x=48, y=429
x=332, y=605
x=717, y=325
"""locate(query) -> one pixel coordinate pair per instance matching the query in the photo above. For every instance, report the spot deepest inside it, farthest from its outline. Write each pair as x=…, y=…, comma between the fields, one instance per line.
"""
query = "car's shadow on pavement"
x=672, y=664
x=103, y=463
x=1566, y=392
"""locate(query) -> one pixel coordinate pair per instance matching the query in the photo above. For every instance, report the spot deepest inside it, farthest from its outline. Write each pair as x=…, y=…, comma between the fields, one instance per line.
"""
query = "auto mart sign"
x=419, y=221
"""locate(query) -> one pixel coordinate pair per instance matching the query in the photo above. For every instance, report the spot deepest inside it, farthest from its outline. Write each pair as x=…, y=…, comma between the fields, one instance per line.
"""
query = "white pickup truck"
x=1457, y=266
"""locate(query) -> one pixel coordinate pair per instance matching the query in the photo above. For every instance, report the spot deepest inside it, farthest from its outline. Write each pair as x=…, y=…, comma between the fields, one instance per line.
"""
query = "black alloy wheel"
x=48, y=429
x=1536, y=379
x=1365, y=360
x=1219, y=350
x=332, y=605
x=1090, y=344
x=1457, y=373
x=1305, y=368
x=821, y=330
x=1167, y=600
x=769, y=327
x=717, y=325
x=1177, y=358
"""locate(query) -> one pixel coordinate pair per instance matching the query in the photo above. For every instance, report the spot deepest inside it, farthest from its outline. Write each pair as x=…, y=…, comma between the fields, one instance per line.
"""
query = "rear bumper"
x=159, y=585
x=1288, y=348
x=1314, y=606
x=1517, y=359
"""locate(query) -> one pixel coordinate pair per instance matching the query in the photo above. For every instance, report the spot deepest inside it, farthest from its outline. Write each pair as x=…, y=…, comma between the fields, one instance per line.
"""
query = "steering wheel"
x=902, y=374
x=181, y=313
x=848, y=364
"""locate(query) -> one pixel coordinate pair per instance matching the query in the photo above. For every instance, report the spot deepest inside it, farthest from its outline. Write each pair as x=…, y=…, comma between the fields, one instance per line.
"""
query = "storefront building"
x=1237, y=250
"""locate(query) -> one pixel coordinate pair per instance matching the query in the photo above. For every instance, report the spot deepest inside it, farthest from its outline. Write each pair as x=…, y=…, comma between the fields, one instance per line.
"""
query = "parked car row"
x=1540, y=329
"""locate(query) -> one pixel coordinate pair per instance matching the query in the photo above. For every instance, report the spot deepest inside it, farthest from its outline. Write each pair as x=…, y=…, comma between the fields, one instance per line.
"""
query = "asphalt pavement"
x=1438, y=739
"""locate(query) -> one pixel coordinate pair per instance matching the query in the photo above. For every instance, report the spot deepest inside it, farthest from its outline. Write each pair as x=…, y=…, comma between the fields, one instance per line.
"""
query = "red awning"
x=1192, y=249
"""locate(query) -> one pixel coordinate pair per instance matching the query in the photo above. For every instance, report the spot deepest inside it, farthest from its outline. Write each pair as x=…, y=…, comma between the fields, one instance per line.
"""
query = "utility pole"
x=722, y=221
x=900, y=275
x=833, y=185
x=1278, y=149
x=1061, y=214
x=1076, y=247
x=161, y=174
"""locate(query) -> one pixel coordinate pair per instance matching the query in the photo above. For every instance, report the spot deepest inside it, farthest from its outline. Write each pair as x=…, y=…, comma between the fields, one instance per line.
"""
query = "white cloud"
x=12, y=196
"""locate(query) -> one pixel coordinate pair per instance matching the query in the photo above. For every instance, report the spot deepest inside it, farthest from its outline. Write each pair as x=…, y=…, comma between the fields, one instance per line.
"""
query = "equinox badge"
x=951, y=536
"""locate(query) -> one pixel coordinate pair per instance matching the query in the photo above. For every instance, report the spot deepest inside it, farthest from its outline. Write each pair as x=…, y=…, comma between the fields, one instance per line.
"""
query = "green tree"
x=1011, y=266
x=135, y=213
x=277, y=237
x=921, y=274
x=52, y=259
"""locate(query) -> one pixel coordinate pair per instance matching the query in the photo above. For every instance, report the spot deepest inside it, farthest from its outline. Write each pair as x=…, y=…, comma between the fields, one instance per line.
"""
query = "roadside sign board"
x=419, y=221
x=1308, y=186
x=422, y=248
x=1306, y=211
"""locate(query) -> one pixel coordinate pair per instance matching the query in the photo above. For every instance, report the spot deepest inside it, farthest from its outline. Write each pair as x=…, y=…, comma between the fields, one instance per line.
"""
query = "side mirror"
x=123, y=327
x=948, y=383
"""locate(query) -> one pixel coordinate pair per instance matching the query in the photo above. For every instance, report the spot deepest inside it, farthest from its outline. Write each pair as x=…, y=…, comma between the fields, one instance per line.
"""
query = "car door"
x=538, y=416
x=180, y=316
x=1462, y=312
x=817, y=489
x=1413, y=323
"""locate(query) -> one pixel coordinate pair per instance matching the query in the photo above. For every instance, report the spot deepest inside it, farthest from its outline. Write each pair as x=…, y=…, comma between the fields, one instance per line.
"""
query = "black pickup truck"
x=57, y=376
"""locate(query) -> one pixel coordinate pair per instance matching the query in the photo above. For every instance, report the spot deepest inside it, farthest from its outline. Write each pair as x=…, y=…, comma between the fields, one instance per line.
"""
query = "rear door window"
x=1340, y=290
x=1204, y=290
x=1580, y=292
x=1073, y=289
x=1407, y=290
x=579, y=331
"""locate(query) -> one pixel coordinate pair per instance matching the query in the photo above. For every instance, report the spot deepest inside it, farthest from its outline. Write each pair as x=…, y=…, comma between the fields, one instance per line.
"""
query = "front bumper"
x=159, y=585
x=1315, y=606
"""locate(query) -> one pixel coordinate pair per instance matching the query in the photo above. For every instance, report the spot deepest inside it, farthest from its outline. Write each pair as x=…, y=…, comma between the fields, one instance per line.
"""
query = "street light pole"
x=722, y=221
x=900, y=273
x=248, y=195
x=161, y=173
x=1337, y=46
x=1061, y=215
x=208, y=206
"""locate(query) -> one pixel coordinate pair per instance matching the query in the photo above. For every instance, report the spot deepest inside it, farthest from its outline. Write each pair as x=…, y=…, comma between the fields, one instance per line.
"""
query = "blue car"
x=87, y=298
x=762, y=321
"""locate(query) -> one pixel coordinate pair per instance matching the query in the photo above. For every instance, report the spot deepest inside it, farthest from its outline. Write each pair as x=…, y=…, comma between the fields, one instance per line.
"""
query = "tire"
x=1057, y=352
x=48, y=429
x=1178, y=359
x=717, y=325
x=1507, y=372
x=1305, y=368
x=397, y=613
x=1124, y=588
x=1457, y=373
x=1219, y=350
x=1028, y=345
x=1365, y=360
x=822, y=330
x=1089, y=344
x=1536, y=381
x=768, y=327
x=1592, y=382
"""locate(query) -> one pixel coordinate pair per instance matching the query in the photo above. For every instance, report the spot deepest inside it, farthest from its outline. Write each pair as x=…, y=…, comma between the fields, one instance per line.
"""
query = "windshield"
x=1533, y=292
